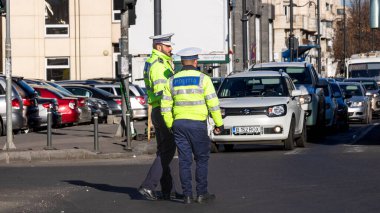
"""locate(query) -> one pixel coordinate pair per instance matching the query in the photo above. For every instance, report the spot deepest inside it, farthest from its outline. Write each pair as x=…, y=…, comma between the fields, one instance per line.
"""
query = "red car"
x=68, y=107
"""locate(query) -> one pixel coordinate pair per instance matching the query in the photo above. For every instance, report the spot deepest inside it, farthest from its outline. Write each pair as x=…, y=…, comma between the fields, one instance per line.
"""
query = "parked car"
x=114, y=102
x=18, y=120
x=358, y=101
x=370, y=86
x=259, y=107
x=331, y=105
x=85, y=110
x=304, y=77
x=30, y=102
x=68, y=106
x=138, y=98
x=341, y=120
x=43, y=105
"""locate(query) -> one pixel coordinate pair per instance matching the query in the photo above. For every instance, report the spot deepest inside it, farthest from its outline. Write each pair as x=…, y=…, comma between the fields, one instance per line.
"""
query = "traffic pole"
x=49, y=145
x=96, y=133
x=8, y=76
x=125, y=75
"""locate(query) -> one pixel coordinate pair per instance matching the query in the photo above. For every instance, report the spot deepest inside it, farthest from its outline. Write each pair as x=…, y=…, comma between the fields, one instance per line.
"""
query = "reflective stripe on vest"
x=159, y=81
x=211, y=96
x=214, y=108
x=167, y=98
x=189, y=103
x=166, y=109
x=188, y=91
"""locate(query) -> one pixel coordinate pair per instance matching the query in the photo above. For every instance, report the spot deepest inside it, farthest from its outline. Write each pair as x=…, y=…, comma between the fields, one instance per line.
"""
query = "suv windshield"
x=253, y=87
x=368, y=84
x=353, y=90
x=299, y=75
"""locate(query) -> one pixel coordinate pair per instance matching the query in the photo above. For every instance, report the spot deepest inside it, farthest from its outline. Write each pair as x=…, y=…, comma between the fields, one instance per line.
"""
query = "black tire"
x=214, y=148
x=289, y=142
x=301, y=141
x=228, y=147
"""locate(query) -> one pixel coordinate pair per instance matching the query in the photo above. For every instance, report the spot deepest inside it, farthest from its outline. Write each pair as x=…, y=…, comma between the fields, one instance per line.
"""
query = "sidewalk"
x=75, y=143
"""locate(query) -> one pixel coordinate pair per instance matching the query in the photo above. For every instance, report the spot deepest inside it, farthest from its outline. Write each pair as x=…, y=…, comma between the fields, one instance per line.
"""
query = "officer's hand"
x=218, y=130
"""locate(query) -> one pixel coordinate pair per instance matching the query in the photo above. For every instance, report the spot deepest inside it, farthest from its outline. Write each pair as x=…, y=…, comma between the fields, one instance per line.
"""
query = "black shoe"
x=147, y=193
x=172, y=196
x=205, y=198
x=187, y=199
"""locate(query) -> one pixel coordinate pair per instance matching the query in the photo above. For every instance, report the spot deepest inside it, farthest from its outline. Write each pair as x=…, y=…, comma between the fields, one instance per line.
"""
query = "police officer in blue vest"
x=189, y=97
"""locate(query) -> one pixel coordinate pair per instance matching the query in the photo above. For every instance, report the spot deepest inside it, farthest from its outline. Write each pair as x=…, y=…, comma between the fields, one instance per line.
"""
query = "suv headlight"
x=275, y=111
x=357, y=104
x=305, y=99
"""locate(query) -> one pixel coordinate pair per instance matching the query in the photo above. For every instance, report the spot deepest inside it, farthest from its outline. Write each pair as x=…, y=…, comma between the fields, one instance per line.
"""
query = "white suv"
x=259, y=107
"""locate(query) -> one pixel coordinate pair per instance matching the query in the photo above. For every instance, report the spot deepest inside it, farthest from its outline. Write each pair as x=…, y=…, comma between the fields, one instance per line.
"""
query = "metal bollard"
x=49, y=145
x=96, y=139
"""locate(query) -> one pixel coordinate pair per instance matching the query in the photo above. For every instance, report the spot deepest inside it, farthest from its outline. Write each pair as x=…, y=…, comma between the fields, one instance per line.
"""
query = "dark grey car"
x=18, y=120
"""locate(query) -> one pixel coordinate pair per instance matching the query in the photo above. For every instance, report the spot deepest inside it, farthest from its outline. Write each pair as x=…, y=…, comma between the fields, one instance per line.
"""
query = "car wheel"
x=289, y=142
x=301, y=141
x=228, y=147
x=214, y=148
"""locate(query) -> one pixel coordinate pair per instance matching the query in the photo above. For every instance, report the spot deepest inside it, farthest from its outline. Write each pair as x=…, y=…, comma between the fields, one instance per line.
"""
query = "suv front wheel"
x=289, y=142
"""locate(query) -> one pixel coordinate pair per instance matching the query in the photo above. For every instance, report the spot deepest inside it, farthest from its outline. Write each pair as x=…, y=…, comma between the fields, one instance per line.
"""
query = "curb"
x=52, y=155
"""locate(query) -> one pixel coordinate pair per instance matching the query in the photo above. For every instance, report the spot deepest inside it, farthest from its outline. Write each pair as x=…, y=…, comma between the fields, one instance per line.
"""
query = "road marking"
x=297, y=151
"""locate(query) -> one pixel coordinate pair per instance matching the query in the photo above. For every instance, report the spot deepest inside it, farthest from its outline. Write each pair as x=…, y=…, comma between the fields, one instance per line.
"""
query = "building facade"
x=65, y=39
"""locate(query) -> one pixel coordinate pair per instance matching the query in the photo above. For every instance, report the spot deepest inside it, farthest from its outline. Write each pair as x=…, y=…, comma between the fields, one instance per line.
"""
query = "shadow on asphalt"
x=132, y=192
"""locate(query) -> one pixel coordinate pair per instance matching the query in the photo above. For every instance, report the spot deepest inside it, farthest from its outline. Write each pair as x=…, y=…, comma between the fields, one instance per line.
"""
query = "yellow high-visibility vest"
x=157, y=70
x=190, y=94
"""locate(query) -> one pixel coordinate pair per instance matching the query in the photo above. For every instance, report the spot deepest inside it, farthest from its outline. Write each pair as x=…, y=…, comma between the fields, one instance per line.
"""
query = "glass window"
x=80, y=91
x=299, y=75
x=57, y=69
x=352, y=90
x=2, y=91
x=252, y=87
x=57, y=18
x=116, y=10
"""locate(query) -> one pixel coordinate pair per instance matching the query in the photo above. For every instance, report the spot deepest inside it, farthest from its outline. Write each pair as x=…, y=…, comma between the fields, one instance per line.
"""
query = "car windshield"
x=299, y=75
x=252, y=87
x=353, y=90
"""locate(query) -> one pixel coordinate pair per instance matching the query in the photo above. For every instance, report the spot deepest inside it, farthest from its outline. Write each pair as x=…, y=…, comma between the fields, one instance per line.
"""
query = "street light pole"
x=244, y=21
x=344, y=37
x=319, y=36
x=291, y=35
x=8, y=76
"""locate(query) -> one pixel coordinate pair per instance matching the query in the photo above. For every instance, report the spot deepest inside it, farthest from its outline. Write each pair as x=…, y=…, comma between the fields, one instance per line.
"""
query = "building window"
x=57, y=18
x=116, y=10
x=57, y=69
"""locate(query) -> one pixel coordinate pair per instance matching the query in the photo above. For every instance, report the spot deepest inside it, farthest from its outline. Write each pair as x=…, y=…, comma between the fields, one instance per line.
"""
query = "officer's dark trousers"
x=191, y=138
x=160, y=169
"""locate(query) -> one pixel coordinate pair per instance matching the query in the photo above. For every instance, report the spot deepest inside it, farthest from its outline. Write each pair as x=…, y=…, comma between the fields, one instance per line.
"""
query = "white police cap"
x=163, y=39
x=190, y=53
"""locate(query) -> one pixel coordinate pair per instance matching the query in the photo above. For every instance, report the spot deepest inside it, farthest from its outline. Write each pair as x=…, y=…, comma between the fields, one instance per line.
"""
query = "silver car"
x=358, y=101
x=18, y=120
x=261, y=107
x=371, y=86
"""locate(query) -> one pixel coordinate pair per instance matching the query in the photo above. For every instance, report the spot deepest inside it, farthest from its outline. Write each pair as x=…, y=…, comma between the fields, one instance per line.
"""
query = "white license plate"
x=246, y=130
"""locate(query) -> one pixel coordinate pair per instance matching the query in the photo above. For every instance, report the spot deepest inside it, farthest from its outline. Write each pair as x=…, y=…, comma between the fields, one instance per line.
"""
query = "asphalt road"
x=336, y=174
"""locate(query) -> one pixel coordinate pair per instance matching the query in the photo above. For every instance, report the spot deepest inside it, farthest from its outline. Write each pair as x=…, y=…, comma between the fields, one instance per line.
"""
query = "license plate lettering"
x=247, y=130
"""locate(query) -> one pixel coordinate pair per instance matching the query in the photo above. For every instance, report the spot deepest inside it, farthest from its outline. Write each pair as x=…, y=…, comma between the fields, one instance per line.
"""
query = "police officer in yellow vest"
x=158, y=68
x=189, y=97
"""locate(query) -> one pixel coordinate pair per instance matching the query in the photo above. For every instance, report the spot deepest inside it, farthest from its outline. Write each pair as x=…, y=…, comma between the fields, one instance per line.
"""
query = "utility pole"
x=244, y=21
x=291, y=35
x=157, y=17
x=128, y=5
x=344, y=37
x=8, y=76
x=319, y=36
